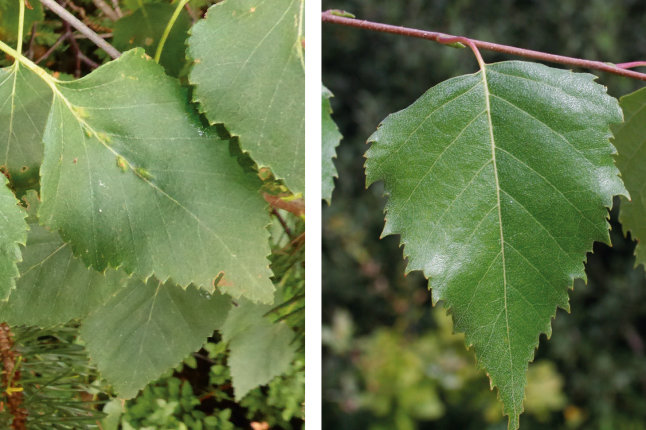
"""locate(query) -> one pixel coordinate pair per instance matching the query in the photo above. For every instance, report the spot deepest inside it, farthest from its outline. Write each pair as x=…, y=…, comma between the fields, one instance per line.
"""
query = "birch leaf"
x=499, y=184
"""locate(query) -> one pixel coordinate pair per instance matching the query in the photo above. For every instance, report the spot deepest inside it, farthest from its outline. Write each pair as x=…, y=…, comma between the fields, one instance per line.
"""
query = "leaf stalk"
x=168, y=28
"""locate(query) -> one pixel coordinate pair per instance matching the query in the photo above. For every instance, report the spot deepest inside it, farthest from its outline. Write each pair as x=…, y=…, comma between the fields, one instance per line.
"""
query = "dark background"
x=389, y=359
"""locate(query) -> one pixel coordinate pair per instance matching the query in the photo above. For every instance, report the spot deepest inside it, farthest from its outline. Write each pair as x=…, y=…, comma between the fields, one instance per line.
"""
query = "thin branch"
x=106, y=9
x=101, y=35
x=117, y=9
x=434, y=36
x=30, y=52
x=282, y=222
x=53, y=48
x=75, y=47
x=88, y=61
x=68, y=17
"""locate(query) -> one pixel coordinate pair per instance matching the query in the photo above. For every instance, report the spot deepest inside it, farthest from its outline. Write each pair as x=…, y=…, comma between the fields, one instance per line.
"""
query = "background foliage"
x=389, y=358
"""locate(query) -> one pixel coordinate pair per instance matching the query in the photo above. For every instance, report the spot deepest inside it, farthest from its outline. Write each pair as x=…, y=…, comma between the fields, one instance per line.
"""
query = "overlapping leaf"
x=248, y=74
x=13, y=231
x=329, y=141
x=630, y=139
x=144, y=28
x=131, y=178
x=499, y=183
x=53, y=286
x=260, y=349
x=148, y=328
x=25, y=101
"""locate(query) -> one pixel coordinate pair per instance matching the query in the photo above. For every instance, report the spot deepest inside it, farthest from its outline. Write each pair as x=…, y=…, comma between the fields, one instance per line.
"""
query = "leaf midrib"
x=502, y=236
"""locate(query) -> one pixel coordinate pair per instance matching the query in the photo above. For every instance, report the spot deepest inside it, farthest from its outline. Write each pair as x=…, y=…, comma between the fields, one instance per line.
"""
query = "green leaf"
x=260, y=350
x=54, y=287
x=145, y=27
x=25, y=100
x=499, y=183
x=9, y=19
x=330, y=140
x=130, y=177
x=248, y=74
x=148, y=328
x=13, y=230
x=631, y=161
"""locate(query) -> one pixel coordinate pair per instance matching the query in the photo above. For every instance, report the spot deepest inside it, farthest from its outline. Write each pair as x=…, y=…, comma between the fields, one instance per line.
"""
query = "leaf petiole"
x=168, y=28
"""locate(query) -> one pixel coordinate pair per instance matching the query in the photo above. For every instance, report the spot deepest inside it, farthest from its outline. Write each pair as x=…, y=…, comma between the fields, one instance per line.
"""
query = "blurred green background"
x=389, y=358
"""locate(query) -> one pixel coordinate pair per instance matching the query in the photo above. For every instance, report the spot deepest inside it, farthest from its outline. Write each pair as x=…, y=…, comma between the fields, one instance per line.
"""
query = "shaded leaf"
x=248, y=74
x=144, y=28
x=329, y=141
x=9, y=13
x=54, y=287
x=260, y=350
x=631, y=161
x=25, y=100
x=499, y=183
x=131, y=178
x=13, y=230
x=148, y=328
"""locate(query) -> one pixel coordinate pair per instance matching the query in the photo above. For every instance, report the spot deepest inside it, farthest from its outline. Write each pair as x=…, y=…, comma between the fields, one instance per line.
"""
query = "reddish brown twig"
x=297, y=207
x=10, y=378
x=536, y=55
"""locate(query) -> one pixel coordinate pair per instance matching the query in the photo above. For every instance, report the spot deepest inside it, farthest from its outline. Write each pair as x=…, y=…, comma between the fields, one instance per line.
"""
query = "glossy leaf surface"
x=131, y=178
x=249, y=75
x=148, y=328
x=499, y=183
x=330, y=139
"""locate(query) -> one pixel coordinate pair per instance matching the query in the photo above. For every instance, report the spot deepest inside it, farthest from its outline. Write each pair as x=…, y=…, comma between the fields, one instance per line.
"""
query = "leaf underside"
x=25, y=100
x=499, y=183
x=631, y=161
x=54, y=287
x=130, y=178
x=145, y=329
x=13, y=230
x=249, y=75
x=260, y=350
x=329, y=141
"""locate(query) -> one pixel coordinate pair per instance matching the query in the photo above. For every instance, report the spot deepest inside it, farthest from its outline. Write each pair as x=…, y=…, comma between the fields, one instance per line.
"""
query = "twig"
x=75, y=47
x=434, y=36
x=30, y=52
x=101, y=35
x=68, y=17
x=10, y=376
x=52, y=49
x=297, y=207
x=117, y=9
x=87, y=61
x=106, y=9
x=282, y=222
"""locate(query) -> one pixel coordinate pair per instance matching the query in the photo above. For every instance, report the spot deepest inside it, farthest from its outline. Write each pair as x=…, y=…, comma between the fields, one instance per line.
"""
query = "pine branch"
x=616, y=69
x=10, y=378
